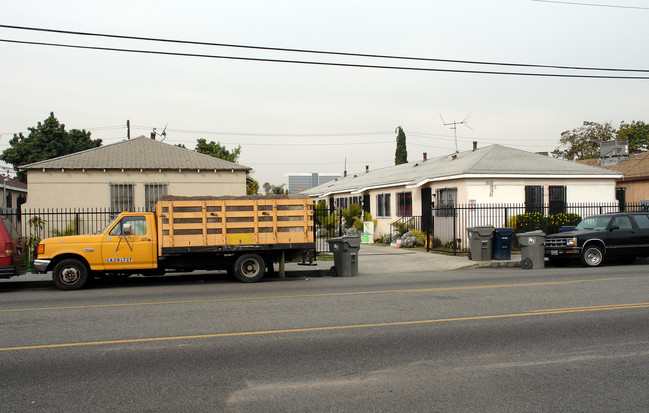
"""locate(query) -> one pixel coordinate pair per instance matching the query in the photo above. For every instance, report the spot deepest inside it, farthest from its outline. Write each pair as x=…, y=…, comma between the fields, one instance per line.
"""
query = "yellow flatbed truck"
x=243, y=235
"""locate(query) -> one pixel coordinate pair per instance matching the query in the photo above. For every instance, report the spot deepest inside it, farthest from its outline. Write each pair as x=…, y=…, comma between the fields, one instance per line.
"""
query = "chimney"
x=367, y=168
x=344, y=173
x=475, y=145
x=425, y=156
x=153, y=135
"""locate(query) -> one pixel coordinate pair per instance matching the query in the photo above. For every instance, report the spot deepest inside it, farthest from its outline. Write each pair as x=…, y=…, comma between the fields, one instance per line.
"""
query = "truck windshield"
x=109, y=225
x=593, y=223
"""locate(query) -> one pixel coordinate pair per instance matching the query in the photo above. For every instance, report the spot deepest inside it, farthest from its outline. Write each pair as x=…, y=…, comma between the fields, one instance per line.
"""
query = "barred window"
x=383, y=205
x=404, y=204
x=446, y=202
x=533, y=198
x=152, y=194
x=121, y=197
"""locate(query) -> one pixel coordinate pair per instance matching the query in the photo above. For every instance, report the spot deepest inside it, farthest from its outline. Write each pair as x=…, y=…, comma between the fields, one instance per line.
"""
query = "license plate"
x=554, y=252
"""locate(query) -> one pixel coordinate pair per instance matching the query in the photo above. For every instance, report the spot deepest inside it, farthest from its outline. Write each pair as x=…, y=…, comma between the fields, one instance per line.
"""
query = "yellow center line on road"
x=329, y=328
x=407, y=291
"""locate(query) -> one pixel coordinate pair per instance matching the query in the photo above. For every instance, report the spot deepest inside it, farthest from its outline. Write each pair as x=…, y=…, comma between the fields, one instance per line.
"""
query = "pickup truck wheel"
x=592, y=256
x=70, y=274
x=249, y=268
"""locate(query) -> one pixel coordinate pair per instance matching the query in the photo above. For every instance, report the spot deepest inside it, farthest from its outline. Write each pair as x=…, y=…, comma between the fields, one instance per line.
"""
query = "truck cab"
x=127, y=245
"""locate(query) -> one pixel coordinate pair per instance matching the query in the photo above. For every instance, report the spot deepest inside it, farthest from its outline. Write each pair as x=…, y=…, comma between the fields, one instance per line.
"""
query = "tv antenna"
x=454, y=127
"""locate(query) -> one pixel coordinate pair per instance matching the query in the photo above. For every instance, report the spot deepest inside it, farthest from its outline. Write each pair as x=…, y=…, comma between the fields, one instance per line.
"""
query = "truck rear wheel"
x=249, y=268
x=70, y=274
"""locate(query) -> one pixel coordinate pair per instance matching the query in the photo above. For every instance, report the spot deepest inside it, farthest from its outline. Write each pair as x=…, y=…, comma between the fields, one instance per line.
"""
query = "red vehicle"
x=11, y=250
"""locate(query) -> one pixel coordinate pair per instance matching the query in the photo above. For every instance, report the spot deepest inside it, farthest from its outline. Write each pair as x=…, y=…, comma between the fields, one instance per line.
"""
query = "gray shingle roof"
x=138, y=153
x=490, y=161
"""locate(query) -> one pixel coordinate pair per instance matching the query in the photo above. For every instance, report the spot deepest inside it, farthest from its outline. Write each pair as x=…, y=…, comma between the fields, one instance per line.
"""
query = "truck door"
x=623, y=237
x=129, y=245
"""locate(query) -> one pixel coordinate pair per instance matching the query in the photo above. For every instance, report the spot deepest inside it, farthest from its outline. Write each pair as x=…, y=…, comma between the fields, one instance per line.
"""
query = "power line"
x=316, y=63
x=572, y=3
x=322, y=52
x=199, y=132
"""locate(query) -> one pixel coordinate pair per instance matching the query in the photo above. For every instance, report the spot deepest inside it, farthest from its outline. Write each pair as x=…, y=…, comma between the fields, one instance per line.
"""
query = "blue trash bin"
x=502, y=249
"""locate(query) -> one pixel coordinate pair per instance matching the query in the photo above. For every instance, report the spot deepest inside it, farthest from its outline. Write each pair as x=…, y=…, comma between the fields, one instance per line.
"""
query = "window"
x=121, y=197
x=557, y=199
x=404, y=204
x=152, y=194
x=130, y=226
x=533, y=198
x=446, y=202
x=642, y=221
x=622, y=222
x=383, y=205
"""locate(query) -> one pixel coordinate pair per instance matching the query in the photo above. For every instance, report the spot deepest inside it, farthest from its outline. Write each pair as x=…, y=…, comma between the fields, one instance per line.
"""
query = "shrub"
x=557, y=221
x=436, y=242
x=352, y=232
x=409, y=240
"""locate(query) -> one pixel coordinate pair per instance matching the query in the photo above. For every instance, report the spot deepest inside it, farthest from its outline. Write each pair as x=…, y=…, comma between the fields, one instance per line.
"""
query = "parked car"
x=11, y=256
x=624, y=236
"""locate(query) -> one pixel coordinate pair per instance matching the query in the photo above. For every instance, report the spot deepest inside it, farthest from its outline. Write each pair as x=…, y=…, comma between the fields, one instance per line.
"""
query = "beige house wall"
x=636, y=191
x=91, y=188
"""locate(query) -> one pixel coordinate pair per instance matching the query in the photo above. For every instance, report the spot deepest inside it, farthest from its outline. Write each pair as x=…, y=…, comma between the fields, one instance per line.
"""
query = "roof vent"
x=425, y=156
x=475, y=145
x=453, y=156
x=367, y=168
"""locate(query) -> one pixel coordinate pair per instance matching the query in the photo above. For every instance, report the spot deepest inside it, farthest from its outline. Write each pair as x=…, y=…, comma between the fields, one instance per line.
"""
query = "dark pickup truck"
x=623, y=236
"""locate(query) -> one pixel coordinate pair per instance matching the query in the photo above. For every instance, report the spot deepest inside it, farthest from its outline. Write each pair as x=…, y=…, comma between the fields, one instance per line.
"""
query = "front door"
x=128, y=245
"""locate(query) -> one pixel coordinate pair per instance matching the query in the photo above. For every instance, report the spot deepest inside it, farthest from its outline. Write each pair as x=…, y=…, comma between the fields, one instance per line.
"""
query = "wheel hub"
x=69, y=275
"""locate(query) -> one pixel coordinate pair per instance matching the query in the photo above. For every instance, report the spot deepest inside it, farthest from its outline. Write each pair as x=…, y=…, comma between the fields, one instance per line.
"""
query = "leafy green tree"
x=217, y=150
x=278, y=189
x=401, y=153
x=267, y=187
x=584, y=142
x=637, y=133
x=46, y=140
x=252, y=186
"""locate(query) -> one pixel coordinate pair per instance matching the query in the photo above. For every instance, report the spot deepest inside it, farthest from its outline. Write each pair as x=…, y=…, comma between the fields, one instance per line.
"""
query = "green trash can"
x=532, y=249
x=345, y=251
x=480, y=243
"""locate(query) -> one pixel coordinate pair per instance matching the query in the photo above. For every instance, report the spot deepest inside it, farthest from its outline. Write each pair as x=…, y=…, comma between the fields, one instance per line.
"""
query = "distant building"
x=303, y=181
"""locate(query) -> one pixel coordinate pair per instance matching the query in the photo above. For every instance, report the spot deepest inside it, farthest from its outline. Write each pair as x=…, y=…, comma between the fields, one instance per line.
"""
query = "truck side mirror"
x=614, y=227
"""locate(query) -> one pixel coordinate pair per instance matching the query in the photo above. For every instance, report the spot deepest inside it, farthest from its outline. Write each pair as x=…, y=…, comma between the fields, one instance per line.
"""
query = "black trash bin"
x=345, y=251
x=502, y=248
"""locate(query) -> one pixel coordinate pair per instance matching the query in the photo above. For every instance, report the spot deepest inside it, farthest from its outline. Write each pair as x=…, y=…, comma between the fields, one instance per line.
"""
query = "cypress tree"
x=401, y=154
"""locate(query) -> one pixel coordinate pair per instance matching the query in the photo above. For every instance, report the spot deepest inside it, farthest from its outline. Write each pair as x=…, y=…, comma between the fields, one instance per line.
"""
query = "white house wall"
x=512, y=191
x=487, y=191
x=91, y=188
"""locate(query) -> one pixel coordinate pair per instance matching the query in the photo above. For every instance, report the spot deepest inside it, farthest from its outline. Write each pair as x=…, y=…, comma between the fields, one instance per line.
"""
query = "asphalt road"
x=501, y=340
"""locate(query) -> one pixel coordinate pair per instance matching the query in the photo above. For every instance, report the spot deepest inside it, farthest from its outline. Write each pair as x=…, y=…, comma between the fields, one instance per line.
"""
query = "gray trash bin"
x=480, y=243
x=532, y=249
x=345, y=251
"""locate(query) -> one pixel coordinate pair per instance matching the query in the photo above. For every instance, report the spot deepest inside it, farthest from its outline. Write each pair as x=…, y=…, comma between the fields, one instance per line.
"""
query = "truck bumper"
x=563, y=252
x=40, y=266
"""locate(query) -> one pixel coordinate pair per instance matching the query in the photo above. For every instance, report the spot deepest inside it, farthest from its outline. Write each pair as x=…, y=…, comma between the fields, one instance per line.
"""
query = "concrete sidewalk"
x=372, y=259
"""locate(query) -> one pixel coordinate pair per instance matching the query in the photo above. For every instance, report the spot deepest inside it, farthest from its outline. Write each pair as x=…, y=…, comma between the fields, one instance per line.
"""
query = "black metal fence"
x=448, y=230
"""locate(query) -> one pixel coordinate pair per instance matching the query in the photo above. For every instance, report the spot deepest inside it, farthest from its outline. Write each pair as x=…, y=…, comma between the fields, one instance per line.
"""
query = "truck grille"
x=556, y=242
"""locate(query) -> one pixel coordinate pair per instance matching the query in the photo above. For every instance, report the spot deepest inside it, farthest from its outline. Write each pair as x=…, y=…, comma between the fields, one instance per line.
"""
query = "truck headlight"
x=572, y=242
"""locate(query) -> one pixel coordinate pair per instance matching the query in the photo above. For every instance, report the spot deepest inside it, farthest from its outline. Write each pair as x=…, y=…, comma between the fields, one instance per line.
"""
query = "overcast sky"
x=313, y=118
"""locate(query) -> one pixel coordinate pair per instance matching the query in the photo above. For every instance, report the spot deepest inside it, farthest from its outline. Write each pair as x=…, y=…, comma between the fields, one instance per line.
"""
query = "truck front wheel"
x=249, y=268
x=70, y=274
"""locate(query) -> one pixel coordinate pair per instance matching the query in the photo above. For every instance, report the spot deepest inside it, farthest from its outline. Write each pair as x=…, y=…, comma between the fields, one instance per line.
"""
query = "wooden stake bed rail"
x=238, y=223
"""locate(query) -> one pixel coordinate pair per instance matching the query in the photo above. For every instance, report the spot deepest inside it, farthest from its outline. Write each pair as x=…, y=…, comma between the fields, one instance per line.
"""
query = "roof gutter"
x=504, y=176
